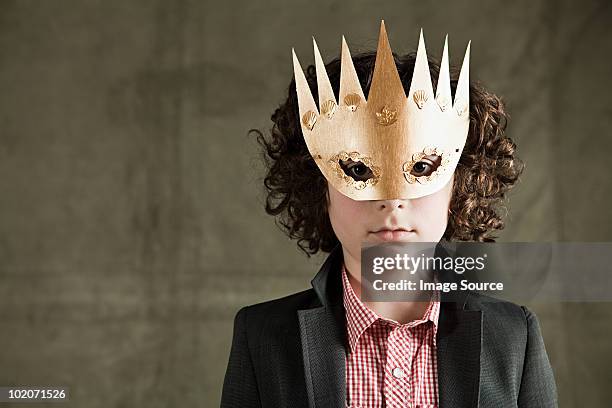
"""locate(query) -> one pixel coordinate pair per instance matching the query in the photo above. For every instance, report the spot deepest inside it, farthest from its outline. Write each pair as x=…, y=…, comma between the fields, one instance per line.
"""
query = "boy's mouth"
x=393, y=234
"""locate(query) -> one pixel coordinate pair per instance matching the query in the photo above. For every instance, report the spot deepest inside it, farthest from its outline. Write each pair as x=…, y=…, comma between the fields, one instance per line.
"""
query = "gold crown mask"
x=390, y=145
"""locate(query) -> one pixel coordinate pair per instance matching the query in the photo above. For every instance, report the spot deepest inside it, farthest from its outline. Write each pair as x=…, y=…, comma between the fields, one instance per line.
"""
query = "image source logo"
x=517, y=271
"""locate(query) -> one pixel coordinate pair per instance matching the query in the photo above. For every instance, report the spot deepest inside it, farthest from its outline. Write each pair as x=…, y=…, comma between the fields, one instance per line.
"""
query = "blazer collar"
x=327, y=283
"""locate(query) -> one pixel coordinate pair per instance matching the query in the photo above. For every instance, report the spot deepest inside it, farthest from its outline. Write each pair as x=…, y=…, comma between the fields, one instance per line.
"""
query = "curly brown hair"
x=297, y=190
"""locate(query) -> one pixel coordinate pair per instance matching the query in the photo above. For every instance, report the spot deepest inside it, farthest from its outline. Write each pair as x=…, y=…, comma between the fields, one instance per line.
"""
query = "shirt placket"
x=398, y=365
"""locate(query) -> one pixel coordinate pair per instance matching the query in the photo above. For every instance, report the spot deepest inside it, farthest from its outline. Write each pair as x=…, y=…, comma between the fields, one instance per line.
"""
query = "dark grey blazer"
x=290, y=352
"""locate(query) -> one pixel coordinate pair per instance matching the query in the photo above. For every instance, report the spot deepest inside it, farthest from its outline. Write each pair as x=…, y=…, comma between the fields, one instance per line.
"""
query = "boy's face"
x=424, y=219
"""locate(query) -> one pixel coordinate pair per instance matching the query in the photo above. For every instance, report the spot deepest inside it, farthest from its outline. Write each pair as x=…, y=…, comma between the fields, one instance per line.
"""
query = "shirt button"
x=398, y=372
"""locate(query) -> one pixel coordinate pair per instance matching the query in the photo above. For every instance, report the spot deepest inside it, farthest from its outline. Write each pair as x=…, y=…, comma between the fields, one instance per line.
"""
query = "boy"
x=417, y=168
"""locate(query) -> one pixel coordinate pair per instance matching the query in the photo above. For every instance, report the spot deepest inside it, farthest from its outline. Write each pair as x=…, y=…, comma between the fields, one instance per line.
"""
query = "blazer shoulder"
x=503, y=314
x=493, y=305
x=275, y=321
x=507, y=325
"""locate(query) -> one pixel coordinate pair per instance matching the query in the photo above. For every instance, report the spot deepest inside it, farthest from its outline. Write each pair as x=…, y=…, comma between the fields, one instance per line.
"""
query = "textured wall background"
x=131, y=221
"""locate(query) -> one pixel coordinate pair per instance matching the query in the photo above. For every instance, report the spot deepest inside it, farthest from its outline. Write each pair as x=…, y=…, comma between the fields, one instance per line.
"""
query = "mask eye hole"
x=426, y=166
x=357, y=170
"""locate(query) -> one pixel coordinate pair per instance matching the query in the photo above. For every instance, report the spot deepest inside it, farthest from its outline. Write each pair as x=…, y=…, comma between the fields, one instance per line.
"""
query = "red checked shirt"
x=390, y=364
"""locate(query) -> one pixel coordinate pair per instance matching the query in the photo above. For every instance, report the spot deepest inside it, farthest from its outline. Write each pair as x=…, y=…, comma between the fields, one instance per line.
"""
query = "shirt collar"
x=359, y=317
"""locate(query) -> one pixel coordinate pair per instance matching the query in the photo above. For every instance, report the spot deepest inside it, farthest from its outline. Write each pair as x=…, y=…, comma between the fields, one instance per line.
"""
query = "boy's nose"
x=390, y=205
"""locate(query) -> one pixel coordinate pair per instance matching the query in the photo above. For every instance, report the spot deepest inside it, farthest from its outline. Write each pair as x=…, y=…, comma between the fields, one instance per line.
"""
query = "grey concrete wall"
x=131, y=220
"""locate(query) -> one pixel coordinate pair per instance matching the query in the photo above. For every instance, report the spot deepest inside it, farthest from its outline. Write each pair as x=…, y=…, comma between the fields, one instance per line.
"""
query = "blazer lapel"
x=458, y=342
x=458, y=351
x=324, y=358
x=324, y=338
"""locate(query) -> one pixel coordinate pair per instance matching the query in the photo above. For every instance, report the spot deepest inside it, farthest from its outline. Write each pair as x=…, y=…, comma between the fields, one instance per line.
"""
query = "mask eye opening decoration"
x=439, y=166
x=355, y=157
x=391, y=144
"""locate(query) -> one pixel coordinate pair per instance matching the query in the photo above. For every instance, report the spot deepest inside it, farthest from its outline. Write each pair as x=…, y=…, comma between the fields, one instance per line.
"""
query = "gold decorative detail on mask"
x=355, y=156
x=420, y=97
x=442, y=103
x=417, y=157
x=386, y=116
x=309, y=119
x=461, y=109
x=352, y=101
x=329, y=108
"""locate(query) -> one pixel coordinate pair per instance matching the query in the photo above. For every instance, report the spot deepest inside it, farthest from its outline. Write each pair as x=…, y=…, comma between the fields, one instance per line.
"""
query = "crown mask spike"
x=327, y=100
x=306, y=104
x=443, y=88
x=462, y=95
x=386, y=88
x=350, y=88
x=421, y=86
